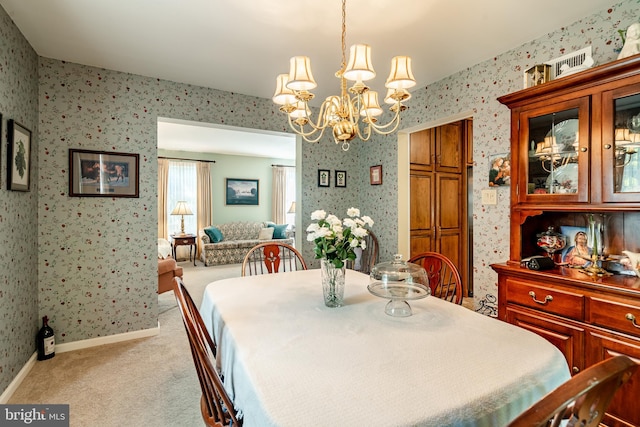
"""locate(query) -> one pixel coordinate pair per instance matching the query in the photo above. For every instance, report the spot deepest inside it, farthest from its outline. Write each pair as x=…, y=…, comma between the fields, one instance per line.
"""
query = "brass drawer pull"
x=547, y=299
x=632, y=318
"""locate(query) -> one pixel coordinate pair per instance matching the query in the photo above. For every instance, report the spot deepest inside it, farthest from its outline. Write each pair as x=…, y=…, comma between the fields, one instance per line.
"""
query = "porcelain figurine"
x=632, y=41
x=634, y=257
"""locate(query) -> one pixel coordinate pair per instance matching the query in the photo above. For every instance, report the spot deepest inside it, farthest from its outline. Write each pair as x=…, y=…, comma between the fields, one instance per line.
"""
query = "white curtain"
x=279, y=195
x=204, y=215
x=291, y=197
x=182, y=185
x=163, y=177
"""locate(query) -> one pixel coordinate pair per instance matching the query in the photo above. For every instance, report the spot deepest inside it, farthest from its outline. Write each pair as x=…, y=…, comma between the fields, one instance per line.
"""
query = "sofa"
x=228, y=243
x=167, y=267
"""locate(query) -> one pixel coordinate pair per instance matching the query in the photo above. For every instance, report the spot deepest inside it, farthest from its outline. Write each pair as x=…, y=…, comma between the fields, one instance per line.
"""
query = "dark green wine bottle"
x=46, y=341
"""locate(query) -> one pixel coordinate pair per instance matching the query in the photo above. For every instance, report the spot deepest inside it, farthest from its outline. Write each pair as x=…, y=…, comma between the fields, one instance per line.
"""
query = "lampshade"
x=401, y=76
x=292, y=208
x=300, y=77
x=370, y=104
x=402, y=93
x=181, y=209
x=359, y=67
x=283, y=94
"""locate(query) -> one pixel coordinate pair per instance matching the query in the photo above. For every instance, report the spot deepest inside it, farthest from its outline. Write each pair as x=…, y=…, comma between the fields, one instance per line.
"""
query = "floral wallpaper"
x=95, y=257
x=19, y=321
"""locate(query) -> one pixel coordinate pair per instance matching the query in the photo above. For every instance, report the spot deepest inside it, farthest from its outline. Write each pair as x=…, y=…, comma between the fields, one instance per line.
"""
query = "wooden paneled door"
x=438, y=193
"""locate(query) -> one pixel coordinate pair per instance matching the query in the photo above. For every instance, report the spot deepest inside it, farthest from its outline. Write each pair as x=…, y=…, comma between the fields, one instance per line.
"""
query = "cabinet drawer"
x=615, y=315
x=555, y=301
x=179, y=242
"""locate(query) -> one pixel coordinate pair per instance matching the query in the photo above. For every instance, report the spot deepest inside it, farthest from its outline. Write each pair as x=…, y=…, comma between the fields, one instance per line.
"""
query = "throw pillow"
x=279, y=230
x=164, y=249
x=215, y=235
x=266, y=233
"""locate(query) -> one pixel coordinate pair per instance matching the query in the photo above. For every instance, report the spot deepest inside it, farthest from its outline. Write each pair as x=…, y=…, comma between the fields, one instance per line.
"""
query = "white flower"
x=333, y=220
x=359, y=232
x=368, y=221
x=335, y=240
x=348, y=222
x=318, y=215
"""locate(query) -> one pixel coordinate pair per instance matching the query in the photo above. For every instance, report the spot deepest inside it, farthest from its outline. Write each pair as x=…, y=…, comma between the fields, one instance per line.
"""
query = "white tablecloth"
x=288, y=360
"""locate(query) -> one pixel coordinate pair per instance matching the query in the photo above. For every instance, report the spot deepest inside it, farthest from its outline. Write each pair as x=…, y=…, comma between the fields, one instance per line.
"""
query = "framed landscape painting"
x=103, y=174
x=242, y=192
x=18, y=157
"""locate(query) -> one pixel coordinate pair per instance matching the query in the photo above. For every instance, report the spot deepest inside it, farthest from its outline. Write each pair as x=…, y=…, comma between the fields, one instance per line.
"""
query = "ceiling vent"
x=571, y=63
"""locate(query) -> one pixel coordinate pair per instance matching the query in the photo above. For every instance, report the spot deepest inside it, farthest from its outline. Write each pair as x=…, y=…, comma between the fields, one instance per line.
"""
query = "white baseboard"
x=71, y=346
x=110, y=339
x=13, y=386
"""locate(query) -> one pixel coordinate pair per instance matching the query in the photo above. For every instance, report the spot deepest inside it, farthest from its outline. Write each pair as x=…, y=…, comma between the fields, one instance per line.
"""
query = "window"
x=182, y=186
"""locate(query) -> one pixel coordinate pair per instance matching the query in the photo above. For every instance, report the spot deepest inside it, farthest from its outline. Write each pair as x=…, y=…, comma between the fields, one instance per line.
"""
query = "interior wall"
x=243, y=167
x=19, y=320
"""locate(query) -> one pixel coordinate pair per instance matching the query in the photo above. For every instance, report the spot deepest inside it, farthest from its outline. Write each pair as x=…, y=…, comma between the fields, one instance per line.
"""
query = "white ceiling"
x=242, y=45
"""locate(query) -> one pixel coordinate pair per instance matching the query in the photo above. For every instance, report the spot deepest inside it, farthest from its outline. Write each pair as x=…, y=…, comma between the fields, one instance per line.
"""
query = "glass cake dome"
x=398, y=281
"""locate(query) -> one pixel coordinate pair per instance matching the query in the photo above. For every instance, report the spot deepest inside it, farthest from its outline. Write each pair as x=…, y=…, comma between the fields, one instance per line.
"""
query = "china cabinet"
x=575, y=148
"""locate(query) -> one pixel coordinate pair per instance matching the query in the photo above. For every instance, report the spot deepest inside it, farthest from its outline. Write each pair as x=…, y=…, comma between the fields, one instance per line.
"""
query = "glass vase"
x=332, y=283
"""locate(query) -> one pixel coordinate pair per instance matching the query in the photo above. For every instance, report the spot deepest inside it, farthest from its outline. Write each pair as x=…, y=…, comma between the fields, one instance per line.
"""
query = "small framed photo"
x=242, y=192
x=375, y=175
x=324, y=177
x=341, y=178
x=18, y=157
x=500, y=170
x=103, y=174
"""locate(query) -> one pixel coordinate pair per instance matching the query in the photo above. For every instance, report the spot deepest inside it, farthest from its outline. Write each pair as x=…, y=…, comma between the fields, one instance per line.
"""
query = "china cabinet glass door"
x=554, y=145
x=621, y=145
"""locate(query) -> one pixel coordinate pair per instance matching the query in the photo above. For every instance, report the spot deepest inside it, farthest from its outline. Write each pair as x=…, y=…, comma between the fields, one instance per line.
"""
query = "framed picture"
x=375, y=175
x=324, y=177
x=103, y=174
x=18, y=157
x=242, y=192
x=341, y=178
x=499, y=170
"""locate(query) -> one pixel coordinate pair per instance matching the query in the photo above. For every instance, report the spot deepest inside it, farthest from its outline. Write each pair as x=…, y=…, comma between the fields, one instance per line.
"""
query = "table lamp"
x=292, y=208
x=182, y=209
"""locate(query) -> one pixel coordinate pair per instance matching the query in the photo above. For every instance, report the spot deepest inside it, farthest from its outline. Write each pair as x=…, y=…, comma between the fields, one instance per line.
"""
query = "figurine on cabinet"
x=631, y=42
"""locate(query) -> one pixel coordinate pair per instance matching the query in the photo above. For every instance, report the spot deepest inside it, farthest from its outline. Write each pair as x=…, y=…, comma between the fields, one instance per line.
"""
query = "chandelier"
x=344, y=114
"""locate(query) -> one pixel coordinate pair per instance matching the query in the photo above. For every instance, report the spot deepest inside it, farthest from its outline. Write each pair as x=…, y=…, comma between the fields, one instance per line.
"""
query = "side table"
x=184, y=240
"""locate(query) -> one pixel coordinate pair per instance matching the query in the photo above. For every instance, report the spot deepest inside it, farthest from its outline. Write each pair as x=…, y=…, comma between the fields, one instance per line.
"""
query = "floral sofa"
x=235, y=239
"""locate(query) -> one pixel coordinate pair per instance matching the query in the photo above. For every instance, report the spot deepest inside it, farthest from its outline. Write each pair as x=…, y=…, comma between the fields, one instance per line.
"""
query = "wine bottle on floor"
x=46, y=341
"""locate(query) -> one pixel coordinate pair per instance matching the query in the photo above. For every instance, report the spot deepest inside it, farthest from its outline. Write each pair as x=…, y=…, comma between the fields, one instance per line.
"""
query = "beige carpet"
x=143, y=382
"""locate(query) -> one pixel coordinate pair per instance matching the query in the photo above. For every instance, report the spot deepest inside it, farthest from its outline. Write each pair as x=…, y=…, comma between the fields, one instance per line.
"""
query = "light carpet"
x=143, y=382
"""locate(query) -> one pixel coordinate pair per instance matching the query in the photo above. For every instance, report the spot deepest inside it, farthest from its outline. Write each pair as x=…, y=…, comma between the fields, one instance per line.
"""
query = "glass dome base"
x=398, y=308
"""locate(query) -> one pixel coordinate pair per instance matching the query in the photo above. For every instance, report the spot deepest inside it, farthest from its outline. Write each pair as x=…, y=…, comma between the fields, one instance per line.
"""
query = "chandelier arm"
x=307, y=136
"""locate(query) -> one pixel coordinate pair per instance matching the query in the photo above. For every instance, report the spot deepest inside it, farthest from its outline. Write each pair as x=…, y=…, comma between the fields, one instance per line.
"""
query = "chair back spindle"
x=444, y=279
x=272, y=257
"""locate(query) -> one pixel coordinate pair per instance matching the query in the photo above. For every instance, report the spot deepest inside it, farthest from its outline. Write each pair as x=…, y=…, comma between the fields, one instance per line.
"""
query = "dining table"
x=287, y=360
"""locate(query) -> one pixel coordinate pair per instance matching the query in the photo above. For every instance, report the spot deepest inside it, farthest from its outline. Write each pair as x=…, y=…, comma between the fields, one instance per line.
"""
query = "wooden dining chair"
x=272, y=257
x=369, y=256
x=581, y=400
x=215, y=405
x=444, y=278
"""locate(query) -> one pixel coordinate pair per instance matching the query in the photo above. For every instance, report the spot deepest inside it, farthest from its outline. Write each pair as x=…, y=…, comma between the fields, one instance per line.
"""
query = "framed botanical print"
x=375, y=175
x=324, y=178
x=341, y=178
x=18, y=157
x=103, y=174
